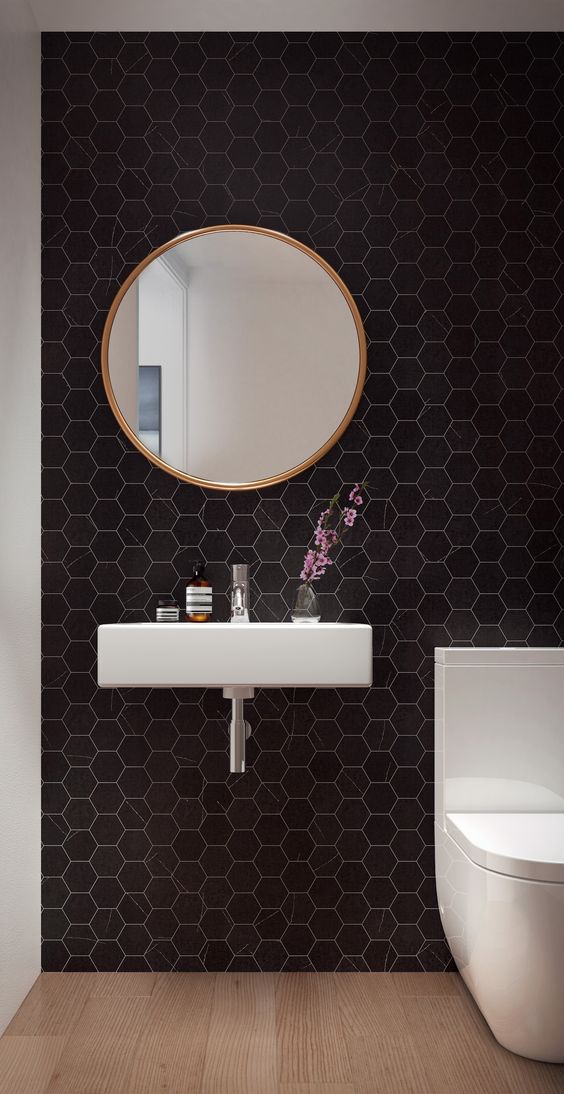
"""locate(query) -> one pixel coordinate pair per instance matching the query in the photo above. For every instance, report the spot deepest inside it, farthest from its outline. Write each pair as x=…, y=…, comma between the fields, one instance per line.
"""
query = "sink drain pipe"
x=239, y=728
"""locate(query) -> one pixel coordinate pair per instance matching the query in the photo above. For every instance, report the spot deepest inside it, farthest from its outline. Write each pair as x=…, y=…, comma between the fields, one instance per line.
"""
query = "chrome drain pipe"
x=239, y=728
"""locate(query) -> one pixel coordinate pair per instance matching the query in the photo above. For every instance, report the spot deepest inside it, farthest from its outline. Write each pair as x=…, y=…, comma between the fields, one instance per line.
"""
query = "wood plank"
x=52, y=1007
x=54, y=1004
x=523, y=1076
x=241, y=1051
x=426, y=983
x=531, y=1076
x=27, y=1063
x=316, y=1088
x=386, y=1065
x=170, y=1055
x=451, y=1055
x=100, y=1052
x=200, y=1033
x=310, y=1034
x=129, y=984
x=369, y=1004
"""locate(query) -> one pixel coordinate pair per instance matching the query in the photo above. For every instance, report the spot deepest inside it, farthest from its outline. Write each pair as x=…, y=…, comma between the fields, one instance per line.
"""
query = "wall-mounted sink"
x=236, y=657
x=224, y=655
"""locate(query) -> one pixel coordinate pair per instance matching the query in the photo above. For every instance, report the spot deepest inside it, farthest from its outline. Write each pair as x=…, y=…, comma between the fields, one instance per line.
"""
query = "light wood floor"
x=258, y=1033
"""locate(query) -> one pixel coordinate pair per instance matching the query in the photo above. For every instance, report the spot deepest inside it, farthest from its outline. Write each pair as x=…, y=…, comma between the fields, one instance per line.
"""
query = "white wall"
x=272, y=369
x=123, y=356
x=162, y=342
x=20, y=927
x=305, y=15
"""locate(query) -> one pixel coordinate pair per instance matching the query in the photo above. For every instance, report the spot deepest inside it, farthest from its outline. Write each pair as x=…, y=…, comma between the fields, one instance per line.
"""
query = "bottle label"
x=198, y=600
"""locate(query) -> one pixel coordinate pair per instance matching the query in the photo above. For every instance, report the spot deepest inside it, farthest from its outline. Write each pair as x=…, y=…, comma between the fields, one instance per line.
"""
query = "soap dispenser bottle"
x=199, y=595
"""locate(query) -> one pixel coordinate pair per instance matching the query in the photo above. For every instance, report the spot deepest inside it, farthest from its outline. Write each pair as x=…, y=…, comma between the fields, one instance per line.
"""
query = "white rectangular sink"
x=275, y=655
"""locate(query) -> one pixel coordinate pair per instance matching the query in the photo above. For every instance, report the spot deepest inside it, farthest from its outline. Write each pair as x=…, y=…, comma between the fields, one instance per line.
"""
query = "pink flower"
x=329, y=532
x=309, y=566
x=325, y=538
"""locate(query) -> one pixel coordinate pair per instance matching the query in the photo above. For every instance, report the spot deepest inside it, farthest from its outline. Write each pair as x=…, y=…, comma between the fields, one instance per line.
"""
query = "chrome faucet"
x=239, y=729
x=240, y=599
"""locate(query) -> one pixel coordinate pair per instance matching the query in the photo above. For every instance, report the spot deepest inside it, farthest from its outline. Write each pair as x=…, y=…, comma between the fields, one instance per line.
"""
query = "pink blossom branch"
x=329, y=531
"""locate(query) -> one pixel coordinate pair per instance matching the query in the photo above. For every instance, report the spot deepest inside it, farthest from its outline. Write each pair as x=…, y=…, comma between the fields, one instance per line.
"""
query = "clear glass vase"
x=306, y=605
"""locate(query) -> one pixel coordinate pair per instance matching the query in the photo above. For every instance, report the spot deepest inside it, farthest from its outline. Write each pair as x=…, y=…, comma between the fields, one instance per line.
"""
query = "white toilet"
x=499, y=831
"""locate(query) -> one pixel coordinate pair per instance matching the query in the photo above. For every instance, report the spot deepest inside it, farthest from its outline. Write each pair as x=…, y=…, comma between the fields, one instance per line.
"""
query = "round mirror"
x=233, y=357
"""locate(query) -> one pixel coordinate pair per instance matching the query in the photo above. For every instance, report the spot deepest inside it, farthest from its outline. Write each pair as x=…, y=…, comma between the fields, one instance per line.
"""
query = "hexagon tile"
x=428, y=169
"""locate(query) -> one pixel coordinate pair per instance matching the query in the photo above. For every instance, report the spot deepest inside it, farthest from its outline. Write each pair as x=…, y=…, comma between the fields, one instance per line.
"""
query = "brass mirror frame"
x=258, y=483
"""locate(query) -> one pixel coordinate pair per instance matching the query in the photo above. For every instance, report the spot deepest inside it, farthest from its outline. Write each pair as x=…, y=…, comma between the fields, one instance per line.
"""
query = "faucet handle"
x=240, y=572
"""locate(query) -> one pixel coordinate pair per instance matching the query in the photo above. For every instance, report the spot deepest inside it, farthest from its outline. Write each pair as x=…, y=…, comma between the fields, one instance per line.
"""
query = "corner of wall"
x=20, y=465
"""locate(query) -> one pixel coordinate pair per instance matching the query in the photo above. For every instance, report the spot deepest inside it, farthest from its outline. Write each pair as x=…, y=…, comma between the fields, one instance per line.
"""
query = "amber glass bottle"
x=199, y=594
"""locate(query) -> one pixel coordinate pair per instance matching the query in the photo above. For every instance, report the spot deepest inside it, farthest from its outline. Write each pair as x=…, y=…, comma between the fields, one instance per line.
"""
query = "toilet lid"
x=523, y=845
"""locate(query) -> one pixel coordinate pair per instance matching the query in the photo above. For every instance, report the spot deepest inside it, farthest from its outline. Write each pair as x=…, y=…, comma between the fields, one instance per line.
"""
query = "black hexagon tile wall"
x=428, y=170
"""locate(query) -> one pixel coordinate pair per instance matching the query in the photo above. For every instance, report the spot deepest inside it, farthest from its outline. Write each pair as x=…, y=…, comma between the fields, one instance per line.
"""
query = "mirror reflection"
x=234, y=357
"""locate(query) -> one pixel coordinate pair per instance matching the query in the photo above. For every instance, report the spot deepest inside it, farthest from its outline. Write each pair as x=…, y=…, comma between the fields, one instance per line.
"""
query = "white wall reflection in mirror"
x=260, y=356
x=149, y=407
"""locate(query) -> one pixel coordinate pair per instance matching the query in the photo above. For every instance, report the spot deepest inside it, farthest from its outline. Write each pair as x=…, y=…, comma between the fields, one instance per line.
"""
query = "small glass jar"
x=306, y=605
